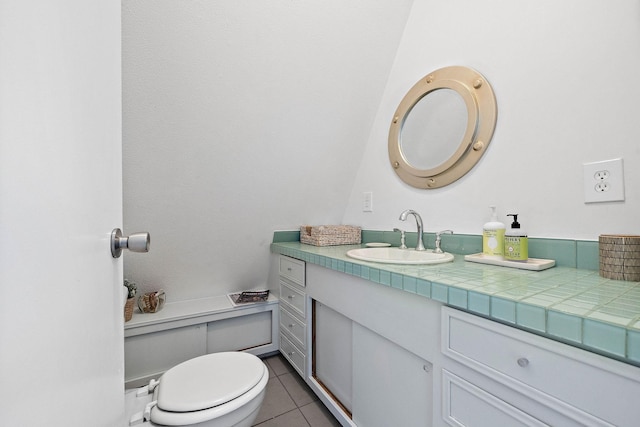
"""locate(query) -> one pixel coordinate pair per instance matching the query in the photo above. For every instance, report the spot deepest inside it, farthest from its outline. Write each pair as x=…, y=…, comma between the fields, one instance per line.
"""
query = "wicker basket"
x=330, y=235
x=620, y=257
x=128, y=309
x=151, y=302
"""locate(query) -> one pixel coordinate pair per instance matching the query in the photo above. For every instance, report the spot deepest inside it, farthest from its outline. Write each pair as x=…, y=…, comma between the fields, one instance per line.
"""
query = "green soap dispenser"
x=516, y=242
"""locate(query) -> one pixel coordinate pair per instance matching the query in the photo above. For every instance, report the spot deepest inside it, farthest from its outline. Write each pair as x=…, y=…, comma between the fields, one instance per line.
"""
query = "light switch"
x=367, y=204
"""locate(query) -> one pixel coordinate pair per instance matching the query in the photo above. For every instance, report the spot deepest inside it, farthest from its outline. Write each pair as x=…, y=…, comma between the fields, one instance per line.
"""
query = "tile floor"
x=289, y=402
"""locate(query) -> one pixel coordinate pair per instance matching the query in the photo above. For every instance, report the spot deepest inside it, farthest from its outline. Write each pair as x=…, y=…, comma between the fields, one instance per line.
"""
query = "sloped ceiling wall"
x=241, y=118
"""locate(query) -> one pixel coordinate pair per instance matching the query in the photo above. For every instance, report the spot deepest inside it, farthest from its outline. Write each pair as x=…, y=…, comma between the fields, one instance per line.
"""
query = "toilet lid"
x=208, y=381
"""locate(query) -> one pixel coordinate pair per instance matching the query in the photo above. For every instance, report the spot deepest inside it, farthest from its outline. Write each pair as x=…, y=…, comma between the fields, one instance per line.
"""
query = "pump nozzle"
x=515, y=223
x=494, y=213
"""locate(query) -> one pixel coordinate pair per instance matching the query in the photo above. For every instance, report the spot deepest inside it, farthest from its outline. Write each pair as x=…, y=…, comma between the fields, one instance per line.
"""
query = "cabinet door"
x=239, y=333
x=332, y=352
x=292, y=326
x=294, y=355
x=391, y=386
x=292, y=269
x=562, y=378
x=467, y=405
x=149, y=355
x=294, y=299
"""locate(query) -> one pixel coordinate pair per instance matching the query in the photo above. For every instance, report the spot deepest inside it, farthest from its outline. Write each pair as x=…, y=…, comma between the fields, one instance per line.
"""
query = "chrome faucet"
x=402, y=244
x=403, y=217
x=439, y=234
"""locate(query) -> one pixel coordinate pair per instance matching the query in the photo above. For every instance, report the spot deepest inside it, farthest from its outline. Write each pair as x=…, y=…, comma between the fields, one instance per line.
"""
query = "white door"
x=61, y=321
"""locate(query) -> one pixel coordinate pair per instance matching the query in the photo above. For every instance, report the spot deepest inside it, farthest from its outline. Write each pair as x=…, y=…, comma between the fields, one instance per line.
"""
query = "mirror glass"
x=433, y=129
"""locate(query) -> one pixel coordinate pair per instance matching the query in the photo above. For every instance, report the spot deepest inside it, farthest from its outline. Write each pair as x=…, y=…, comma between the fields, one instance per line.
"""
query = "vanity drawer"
x=295, y=328
x=292, y=354
x=560, y=376
x=464, y=404
x=292, y=269
x=293, y=299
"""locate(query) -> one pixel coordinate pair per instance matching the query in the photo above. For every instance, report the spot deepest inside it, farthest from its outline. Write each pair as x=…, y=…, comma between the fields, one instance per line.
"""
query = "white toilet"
x=215, y=390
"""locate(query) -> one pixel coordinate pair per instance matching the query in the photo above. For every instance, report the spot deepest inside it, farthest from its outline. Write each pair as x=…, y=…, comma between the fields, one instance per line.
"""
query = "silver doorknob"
x=137, y=242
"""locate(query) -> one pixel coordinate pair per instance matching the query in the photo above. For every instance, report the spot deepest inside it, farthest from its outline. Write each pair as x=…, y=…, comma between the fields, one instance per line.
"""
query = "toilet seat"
x=207, y=387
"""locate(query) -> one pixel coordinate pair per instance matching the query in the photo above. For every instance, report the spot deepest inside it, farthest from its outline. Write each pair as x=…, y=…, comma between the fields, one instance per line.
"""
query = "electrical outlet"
x=601, y=187
x=603, y=181
x=367, y=203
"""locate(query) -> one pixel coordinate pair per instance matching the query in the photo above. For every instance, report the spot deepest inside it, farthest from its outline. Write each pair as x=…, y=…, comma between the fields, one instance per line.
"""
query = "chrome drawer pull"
x=523, y=362
x=291, y=325
x=290, y=296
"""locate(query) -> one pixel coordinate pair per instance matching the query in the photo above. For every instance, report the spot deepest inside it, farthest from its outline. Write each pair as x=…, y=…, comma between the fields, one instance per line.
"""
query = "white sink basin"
x=399, y=256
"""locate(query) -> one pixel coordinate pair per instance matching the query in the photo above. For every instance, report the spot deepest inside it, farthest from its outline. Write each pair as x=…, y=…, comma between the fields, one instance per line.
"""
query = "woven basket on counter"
x=330, y=235
x=620, y=257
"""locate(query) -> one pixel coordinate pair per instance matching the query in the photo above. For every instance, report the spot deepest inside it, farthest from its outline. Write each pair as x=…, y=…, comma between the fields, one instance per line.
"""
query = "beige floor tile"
x=271, y=373
x=297, y=389
x=290, y=419
x=279, y=365
x=317, y=415
x=289, y=402
x=276, y=401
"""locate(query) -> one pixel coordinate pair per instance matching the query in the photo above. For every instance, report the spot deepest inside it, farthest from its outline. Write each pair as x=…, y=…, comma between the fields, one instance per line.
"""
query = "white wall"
x=565, y=74
x=241, y=118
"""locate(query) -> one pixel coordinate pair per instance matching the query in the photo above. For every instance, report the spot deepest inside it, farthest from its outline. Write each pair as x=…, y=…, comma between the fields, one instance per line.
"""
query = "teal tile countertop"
x=567, y=304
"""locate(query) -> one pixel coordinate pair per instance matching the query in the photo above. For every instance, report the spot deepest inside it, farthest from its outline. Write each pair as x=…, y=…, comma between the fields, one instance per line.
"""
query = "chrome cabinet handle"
x=137, y=242
x=290, y=296
x=523, y=362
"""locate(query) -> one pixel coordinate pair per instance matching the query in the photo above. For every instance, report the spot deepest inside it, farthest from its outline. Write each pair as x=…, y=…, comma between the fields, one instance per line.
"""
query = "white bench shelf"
x=182, y=330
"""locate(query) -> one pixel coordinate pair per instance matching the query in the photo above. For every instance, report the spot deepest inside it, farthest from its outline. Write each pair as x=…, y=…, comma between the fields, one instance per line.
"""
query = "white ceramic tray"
x=536, y=264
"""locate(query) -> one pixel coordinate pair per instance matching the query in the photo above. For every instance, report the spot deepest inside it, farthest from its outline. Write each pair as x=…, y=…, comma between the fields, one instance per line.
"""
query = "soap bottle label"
x=493, y=242
x=516, y=248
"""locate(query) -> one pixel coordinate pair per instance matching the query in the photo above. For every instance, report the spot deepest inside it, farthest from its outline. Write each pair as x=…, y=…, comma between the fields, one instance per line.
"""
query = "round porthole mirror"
x=442, y=127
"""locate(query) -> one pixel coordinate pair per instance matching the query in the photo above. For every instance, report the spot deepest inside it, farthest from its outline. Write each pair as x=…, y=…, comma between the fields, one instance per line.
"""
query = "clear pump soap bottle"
x=516, y=242
x=493, y=236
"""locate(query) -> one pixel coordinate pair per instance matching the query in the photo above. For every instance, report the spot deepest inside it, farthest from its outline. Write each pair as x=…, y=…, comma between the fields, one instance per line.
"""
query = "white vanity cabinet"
x=393, y=358
x=293, y=312
x=498, y=375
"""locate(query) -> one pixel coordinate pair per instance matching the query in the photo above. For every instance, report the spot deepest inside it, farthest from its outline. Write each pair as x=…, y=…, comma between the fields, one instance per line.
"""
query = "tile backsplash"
x=581, y=254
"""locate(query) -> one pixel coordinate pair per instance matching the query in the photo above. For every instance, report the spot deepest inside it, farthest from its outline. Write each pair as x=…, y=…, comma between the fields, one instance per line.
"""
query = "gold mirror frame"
x=482, y=111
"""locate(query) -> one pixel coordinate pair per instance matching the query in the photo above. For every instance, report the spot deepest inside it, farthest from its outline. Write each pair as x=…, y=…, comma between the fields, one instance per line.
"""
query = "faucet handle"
x=439, y=238
x=402, y=242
